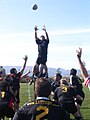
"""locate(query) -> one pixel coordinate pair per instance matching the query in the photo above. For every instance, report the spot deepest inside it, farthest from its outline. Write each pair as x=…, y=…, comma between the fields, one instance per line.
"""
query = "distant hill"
x=51, y=71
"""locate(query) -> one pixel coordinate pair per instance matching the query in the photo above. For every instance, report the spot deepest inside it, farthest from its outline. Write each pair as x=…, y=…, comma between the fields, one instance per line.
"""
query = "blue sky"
x=67, y=23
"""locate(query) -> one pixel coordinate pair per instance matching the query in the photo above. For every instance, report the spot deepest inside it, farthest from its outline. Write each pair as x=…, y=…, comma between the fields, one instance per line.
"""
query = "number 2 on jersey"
x=45, y=112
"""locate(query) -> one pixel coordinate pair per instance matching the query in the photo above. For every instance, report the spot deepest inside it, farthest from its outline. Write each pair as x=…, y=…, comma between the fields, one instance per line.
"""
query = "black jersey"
x=16, y=81
x=42, y=47
x=6, y=96
x=16, y=86
x=64, y=94
x=6, y=101
x=41, y=110
x=65, y=97
x=76, y=81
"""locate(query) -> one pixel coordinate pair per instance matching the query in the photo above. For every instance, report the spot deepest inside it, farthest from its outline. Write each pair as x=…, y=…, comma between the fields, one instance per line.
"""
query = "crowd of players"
x=63, y=93
x=55, y=100
x=10, y=90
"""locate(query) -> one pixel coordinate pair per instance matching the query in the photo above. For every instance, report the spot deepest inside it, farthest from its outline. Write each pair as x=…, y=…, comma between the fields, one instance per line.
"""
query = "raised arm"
x=24, y=75
x=82, y=67
x=44, y=28
x=24, y=65
x=35, y=28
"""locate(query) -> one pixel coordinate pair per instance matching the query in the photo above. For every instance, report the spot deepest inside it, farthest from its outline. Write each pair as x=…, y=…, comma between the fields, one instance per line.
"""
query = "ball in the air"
x=35, y=7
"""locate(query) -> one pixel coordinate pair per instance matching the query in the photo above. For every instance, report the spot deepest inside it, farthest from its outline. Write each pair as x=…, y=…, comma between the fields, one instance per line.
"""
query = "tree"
x=58, y=71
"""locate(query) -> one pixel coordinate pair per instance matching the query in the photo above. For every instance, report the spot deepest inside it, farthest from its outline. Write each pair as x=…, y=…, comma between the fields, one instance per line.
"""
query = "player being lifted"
x=40, y=68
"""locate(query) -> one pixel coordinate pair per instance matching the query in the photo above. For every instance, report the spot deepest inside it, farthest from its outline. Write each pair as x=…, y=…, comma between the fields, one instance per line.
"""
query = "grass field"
x=27, y=95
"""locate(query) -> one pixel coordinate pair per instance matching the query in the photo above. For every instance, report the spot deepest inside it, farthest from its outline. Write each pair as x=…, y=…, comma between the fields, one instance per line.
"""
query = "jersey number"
x=2, y=94
x=45, y=112
x=64, y=89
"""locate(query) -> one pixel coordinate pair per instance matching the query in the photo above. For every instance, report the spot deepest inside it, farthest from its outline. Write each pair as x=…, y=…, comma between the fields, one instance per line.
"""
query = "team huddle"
x=53, y=100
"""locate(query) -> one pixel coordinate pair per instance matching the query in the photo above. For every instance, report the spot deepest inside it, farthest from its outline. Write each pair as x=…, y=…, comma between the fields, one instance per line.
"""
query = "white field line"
x=29, y=95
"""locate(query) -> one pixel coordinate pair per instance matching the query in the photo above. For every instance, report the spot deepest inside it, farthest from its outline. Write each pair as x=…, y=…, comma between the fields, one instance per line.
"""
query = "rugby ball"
x=35, y=7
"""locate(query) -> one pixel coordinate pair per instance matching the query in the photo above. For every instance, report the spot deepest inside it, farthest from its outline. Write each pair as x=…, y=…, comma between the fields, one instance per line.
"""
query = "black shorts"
x=41, y=60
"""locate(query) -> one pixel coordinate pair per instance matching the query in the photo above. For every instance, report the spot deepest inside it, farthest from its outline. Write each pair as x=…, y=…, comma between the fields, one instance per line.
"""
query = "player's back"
x=41, y=110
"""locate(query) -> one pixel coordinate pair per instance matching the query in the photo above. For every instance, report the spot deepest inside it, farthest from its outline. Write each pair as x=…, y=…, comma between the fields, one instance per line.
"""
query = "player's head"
x=42, y=37
x=73, y=71
x=42, y=87
x=64, y=82
x=4, y=86
x=13, y=71
x=9, y=78
x=2, y=72
x=57, y=76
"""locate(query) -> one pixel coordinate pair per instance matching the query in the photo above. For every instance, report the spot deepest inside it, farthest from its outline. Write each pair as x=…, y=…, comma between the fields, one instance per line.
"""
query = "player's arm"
x=44, y=28
x=1, y=79
x=35, y=28
x=16, y=115
x=82, y=67
x=24, y=65
x=24, y=75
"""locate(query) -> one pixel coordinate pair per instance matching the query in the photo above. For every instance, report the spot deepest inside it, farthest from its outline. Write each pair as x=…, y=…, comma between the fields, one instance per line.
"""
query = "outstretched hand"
x=25, y=58
x=79, y=52
x=29, y=71
x=35, y=28
x=44, y=28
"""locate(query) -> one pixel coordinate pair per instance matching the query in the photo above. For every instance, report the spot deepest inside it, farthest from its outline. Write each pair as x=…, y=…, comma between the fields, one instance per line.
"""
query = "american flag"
x=87, y=82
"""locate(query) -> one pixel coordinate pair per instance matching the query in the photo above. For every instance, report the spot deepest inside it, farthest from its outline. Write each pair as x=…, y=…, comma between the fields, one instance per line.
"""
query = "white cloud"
x=66, y=32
